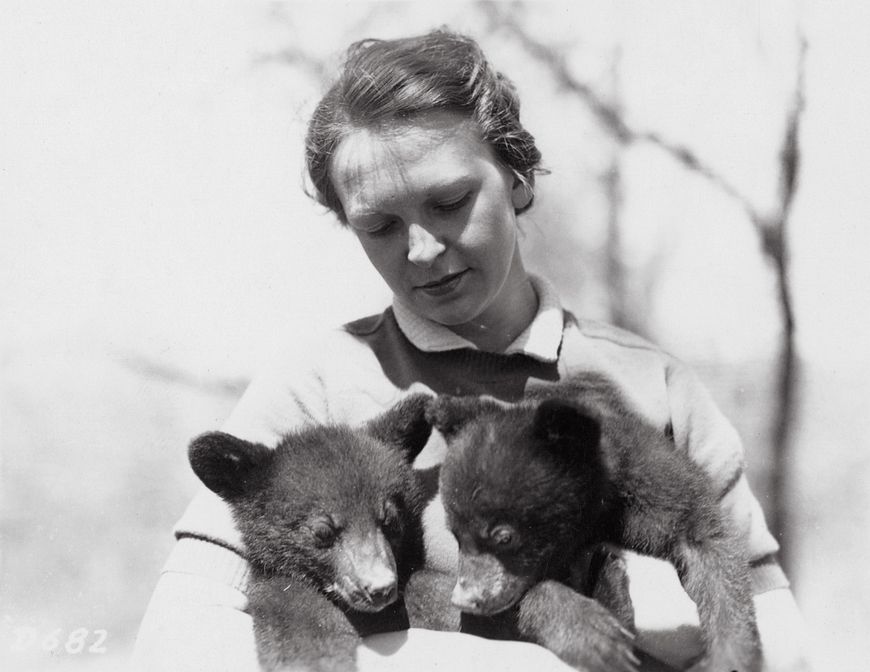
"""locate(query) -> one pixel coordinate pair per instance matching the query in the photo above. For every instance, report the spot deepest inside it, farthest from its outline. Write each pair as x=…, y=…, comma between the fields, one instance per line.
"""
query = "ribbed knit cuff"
x=201, y=557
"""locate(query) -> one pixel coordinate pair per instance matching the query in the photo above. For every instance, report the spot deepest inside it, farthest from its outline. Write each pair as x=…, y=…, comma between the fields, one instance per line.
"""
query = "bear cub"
x=331, y=520
x=529, y=487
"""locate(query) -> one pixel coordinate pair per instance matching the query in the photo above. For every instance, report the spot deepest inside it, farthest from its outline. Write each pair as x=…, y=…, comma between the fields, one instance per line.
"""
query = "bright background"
x=156, y=244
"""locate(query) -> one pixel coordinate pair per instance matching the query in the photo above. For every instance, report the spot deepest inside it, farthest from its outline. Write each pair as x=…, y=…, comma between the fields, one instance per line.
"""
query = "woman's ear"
x=522, y=194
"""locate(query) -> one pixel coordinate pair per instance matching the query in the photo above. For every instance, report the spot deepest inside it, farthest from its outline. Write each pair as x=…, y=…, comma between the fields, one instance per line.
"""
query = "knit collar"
x=540, y=340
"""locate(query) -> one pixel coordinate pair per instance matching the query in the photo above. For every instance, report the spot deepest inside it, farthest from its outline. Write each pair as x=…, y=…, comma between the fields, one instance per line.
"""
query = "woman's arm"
x=197, y=619
x=701, y=429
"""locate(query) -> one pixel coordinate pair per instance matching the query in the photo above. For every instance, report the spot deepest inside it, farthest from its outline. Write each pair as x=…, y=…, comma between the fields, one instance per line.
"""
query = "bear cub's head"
x=519, y=484
x=335, y=505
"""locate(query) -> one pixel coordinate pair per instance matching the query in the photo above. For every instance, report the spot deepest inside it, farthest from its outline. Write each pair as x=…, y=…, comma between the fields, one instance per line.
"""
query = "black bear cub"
x=331, y=522
x=528, y=487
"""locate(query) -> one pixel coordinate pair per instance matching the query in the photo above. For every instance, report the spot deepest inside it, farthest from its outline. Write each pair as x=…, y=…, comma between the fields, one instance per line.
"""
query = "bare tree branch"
x=775, y=237
x=621, y=313
x=294, y=56
x=158, y=370
x=609, y=116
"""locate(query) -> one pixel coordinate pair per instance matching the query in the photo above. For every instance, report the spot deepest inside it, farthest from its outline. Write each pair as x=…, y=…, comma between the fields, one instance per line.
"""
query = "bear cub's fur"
x=529, y=487
x=331, y=520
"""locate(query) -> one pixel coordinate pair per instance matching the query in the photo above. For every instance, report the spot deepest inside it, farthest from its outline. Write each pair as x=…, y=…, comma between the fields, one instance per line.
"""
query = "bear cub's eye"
x=390, y=519
x=324, y=530
x=503, y=537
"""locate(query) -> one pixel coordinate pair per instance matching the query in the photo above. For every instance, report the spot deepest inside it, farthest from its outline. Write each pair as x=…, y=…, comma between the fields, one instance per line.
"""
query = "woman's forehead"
x=432, y=151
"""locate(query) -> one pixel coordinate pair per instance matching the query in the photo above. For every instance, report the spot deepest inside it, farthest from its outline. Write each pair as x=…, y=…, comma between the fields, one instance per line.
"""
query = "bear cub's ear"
x=449, y=414
x=559, y=422
x=229, y=466
x=404, y=426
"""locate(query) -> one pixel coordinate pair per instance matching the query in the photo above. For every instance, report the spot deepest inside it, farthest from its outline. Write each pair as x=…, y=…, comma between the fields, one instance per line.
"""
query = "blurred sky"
x=150, y=161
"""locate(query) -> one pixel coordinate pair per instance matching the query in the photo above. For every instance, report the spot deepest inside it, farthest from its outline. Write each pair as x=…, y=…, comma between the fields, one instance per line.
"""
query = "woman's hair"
x=384, y=80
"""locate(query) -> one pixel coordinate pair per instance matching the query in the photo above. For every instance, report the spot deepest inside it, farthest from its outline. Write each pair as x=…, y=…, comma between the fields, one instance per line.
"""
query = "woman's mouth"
x=443, y=285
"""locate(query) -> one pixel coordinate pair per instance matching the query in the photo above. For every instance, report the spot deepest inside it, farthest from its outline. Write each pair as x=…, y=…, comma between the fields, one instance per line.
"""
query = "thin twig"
x=158, y=370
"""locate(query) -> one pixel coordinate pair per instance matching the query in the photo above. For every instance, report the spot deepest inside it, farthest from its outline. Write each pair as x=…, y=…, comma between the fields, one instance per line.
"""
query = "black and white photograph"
x=398, y=335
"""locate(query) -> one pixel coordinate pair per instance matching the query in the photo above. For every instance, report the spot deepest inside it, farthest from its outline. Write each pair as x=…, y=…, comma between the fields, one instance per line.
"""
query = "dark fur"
x=315, y=592
x=573, y=467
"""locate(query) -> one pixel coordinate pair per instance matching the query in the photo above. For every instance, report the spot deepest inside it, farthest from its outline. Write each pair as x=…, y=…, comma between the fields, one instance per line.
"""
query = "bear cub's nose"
x=382, y=595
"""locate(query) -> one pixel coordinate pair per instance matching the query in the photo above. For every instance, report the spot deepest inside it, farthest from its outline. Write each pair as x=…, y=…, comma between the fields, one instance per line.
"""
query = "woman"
x=419, y=150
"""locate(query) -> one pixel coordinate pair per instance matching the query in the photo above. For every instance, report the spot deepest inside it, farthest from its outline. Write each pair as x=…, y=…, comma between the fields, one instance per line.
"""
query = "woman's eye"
x=456, y=204
x=383, y=228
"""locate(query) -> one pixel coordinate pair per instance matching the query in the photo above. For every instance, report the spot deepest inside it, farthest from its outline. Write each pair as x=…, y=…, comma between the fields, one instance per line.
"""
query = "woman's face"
x=434, y=212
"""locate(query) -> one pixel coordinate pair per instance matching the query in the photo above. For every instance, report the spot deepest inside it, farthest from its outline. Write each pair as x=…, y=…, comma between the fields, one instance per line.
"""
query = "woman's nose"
x=423, y=247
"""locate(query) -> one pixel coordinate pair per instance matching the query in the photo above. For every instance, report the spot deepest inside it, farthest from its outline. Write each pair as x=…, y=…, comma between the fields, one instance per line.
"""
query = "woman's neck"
x=501, y=323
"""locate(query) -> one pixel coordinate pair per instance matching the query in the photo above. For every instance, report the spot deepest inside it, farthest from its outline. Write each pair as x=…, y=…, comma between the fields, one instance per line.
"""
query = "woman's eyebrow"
x=438, y=188
x=363, y=216
x=367, y=207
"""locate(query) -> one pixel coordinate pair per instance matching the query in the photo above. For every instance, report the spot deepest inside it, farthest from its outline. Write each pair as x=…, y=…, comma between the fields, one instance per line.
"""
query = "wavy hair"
x=383, y=80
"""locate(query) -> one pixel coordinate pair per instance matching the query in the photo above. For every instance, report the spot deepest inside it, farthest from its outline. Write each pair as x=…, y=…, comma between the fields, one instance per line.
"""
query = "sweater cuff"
x=202, y=557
